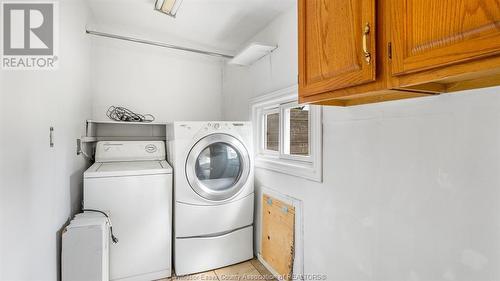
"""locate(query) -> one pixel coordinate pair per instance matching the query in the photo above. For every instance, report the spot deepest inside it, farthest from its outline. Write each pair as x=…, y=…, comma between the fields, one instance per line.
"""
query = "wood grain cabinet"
x=364, y=51
x=338, y=44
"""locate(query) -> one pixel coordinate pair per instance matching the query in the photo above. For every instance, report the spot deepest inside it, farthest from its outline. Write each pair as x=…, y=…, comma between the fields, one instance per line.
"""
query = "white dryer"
x=213, y=194
x=132, y=182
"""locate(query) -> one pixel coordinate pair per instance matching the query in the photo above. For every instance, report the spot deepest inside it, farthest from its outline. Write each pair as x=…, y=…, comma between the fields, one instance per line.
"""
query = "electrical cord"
x=122, y=114
x=85, y=155
x=113, y=237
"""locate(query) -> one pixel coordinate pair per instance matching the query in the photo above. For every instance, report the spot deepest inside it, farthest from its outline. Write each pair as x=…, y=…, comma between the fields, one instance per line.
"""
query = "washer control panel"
x=115, y=151
x=151, y=148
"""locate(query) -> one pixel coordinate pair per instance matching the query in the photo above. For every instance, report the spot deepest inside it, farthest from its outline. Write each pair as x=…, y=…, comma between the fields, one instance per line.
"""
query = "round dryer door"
x=217, y=167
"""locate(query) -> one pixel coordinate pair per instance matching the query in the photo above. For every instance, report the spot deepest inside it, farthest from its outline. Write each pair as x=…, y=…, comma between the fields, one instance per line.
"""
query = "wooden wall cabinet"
x=338, y=45
x=364, y=51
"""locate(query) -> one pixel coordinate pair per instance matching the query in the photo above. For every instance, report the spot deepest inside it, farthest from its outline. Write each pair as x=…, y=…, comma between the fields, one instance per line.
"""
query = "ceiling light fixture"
x=169, y=7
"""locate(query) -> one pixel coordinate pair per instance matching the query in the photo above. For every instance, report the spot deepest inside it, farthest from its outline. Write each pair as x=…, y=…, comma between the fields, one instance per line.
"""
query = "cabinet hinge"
x=389, y=50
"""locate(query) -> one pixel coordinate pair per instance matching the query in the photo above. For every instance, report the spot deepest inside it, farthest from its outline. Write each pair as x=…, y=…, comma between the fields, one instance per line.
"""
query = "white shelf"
x=109, y=130
x=252, y=53
x=88, y=139
x=121, y=138
x=125, y=123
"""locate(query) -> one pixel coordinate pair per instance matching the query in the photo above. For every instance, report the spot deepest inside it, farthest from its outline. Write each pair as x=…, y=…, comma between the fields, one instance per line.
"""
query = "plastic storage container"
x=85, y=248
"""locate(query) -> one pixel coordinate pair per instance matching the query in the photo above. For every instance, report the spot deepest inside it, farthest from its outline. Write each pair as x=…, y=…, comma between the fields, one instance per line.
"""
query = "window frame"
x=285, y=138
x=309, y=167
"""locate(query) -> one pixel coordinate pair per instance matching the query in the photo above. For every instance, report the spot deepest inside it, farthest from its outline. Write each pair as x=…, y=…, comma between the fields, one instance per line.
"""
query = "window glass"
x=218, y=166
x=272, y=130
x=297, y=130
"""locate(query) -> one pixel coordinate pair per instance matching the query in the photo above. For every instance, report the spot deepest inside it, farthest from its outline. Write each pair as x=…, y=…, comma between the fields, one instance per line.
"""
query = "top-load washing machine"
x=213, y=194
x=132, y=183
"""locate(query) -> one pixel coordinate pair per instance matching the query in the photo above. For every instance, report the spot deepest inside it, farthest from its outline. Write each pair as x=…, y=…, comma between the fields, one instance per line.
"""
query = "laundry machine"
x=132, y=183
x=213, y=194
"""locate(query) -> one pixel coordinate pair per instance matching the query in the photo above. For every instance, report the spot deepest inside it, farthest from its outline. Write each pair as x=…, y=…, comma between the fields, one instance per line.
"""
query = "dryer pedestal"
x=199, y=254
x=195, y=220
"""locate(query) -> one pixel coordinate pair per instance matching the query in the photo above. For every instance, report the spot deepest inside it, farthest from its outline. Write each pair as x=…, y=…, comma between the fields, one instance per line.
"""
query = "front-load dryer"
x=213, y=194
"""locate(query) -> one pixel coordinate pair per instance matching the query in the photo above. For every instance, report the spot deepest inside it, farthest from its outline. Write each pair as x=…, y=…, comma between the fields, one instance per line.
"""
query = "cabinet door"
x=428, y=34
x=336, y=44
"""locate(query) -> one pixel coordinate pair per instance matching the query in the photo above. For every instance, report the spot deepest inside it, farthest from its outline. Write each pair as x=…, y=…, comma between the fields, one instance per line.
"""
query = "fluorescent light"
x=169, y=7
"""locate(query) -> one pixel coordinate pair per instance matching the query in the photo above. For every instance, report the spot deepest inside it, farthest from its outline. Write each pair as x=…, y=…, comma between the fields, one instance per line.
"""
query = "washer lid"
x=129, y=168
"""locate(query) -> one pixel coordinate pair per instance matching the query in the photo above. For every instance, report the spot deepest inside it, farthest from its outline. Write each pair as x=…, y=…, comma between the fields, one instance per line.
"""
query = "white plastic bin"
x=85, y=248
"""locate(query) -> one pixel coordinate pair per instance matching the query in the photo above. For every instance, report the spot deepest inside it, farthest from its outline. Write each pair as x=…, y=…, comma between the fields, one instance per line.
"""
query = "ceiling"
x=216, y=24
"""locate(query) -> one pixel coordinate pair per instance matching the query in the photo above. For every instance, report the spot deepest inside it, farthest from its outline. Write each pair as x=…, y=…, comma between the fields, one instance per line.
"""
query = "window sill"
x=306, y=170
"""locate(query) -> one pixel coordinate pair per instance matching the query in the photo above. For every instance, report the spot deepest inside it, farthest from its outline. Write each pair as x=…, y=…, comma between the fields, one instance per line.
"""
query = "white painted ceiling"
x=217, y=24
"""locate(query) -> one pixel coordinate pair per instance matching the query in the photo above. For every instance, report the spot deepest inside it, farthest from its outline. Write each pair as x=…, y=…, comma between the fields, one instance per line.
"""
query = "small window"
x=296, y=130
x=287, y=134
x=272, y=131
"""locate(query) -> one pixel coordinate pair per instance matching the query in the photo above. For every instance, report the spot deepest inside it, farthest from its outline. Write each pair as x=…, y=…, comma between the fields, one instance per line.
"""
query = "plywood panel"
x=278, y=228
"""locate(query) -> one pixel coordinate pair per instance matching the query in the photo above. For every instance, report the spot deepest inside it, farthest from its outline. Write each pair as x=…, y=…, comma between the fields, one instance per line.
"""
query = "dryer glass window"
x=218, y=166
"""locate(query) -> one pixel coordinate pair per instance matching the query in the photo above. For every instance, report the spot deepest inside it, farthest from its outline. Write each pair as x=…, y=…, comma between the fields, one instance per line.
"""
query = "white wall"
x=276, y=71
x=411, y=188
x=40, y=187
x=171, y=85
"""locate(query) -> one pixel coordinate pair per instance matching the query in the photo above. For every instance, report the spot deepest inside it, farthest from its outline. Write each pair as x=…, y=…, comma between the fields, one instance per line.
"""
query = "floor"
x=249, y=270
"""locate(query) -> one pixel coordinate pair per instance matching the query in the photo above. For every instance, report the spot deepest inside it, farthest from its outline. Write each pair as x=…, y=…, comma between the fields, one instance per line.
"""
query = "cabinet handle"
x=366, y=52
